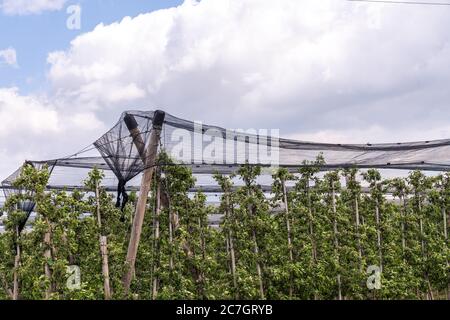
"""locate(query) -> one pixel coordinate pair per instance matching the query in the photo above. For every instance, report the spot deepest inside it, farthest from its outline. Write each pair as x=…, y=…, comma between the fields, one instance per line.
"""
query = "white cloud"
x=20, y=113
x=26, y=7
x=372, y=134
x=327, y=70
x=295, y=65
x=8, y=56
x=34, y=128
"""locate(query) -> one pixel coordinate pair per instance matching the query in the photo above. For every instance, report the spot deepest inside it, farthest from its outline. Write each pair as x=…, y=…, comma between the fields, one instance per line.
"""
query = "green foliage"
x=313, y=237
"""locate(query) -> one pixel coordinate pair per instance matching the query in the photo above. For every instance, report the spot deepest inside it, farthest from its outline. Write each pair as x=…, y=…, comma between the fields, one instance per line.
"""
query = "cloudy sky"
x=323, y=70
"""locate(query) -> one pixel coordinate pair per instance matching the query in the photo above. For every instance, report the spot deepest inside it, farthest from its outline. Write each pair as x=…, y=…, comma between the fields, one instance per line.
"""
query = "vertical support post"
x=289, y=241
x=335, y=234
x=15, y=293
x=48, y=256
x=444, y=215
x=156, y=238
x=149, y=158
x=256, y=250
x=103, y=247
x=231, y=244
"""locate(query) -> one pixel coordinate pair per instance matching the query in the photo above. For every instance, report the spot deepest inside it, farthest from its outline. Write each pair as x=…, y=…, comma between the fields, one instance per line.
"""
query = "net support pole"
x=149, y=157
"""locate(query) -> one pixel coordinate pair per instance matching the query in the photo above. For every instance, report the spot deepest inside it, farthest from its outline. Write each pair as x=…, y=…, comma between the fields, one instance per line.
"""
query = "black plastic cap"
x=158, y=118
x=130, y=121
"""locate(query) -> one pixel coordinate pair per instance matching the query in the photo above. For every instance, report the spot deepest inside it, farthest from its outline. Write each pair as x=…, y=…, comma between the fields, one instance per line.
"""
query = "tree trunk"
x=256, y=252
x=258, y=266
x=289, y=239
x=170, y=237
x=444, y=217
x=195, y=272
x=231, y=247
x=422, y=243
x=377, y=217
x=311, y=227
x=430, y=295
x=311, y=230
x=403, y=213
x=48, y=256
x=156, y=239
x=103, y=247
x=105, y=267
x=15, y=293
x=336, y=241
x=203, y=248
x=358, y=236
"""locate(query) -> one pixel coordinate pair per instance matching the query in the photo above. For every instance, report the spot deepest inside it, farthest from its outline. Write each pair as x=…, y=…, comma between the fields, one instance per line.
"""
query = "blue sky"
x=34, y=36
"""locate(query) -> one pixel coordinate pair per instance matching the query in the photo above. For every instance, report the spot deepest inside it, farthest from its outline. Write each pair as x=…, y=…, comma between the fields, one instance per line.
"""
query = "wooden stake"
x=15, y=293
x=358, y=236
x=311, y=227
x=231, y=244
x=444, y=216
x=351, y=179
x=446, y=219
x=170, y=234
x=377, y=218
x=289, y=240
x=256, y=252
x=103, y=248
x=105, y=266
x=402, y=213
x=47, y=256
x=336, y=241
x=149, y=159
x=156, y=239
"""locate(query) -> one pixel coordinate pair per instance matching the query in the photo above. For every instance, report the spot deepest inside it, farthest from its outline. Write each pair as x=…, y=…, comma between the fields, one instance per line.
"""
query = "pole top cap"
x=158, y=118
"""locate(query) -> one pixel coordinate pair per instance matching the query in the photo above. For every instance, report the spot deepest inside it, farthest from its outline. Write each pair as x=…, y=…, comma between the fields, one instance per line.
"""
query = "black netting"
x=119, y=149
x=208, y=149
x=9, y=189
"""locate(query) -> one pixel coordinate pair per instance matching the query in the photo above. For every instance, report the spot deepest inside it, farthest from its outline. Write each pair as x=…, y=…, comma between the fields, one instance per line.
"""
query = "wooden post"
x=48, y=256
x=378, y=221
x=402, y=213
x=256, y=251
x=311, y=227
x=149, y=159
x=444, y=216
x=156, y=239
x=422, y=242
x=289, y=240
x=336, y=241
x=15, y=293
x=231, y=244
x=171, y=219
x=103, y=247
x=105, y=267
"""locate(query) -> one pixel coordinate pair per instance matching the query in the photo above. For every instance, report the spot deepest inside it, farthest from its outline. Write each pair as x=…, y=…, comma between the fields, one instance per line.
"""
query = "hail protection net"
x=123, y=148
x=208, y=149
x=10, y=189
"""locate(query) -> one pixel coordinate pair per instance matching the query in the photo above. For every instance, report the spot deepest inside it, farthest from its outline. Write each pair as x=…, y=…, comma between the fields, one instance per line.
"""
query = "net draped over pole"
x=208, y=149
